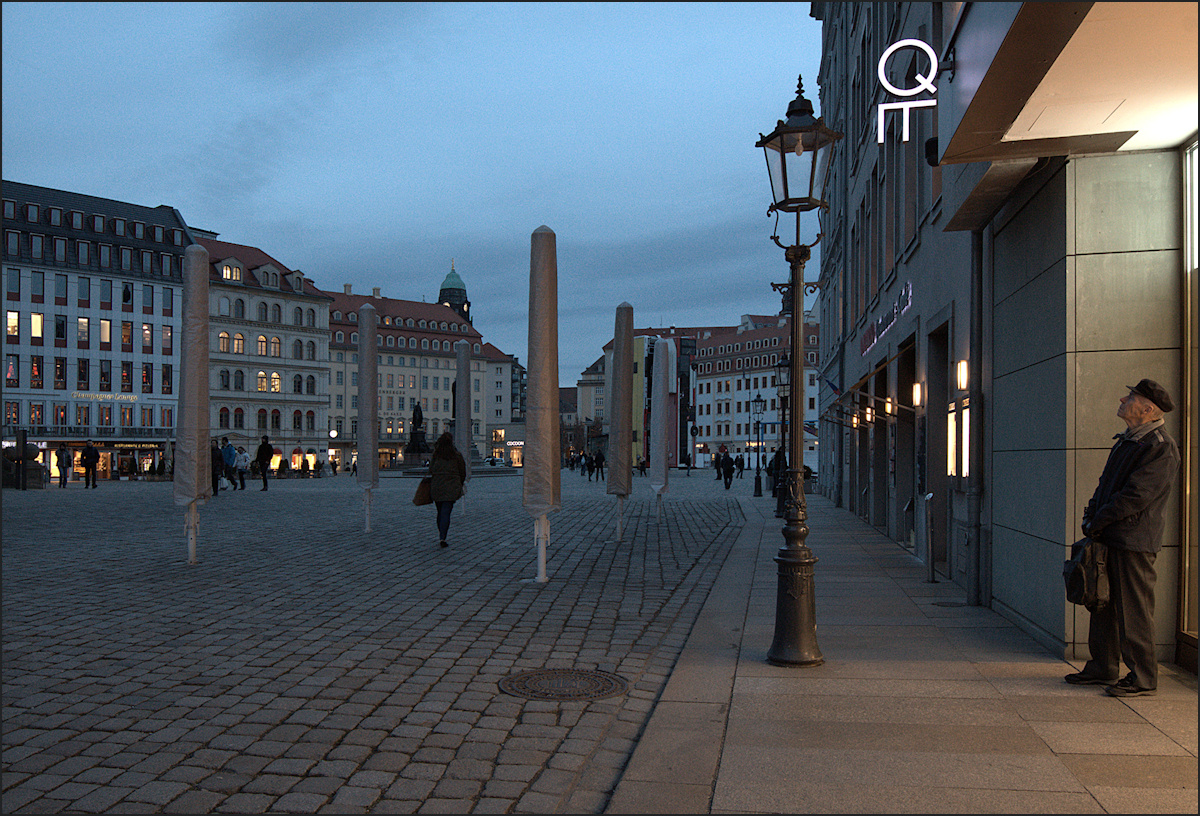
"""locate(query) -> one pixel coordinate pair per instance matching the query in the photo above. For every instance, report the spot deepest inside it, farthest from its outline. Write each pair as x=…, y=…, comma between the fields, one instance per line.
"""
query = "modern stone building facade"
x=998, y=265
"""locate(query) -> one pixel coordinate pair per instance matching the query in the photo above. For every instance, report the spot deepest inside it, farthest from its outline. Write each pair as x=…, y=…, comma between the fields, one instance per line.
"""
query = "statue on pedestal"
x=416, y=437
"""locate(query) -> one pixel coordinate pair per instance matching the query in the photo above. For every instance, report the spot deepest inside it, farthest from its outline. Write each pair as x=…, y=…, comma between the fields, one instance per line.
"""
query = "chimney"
x=346, y=288
x=375, y=292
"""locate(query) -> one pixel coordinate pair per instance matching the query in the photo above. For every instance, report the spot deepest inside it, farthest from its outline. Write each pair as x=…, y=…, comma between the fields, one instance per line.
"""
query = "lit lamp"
x=963, y=379
x=758, y=407
x=916, y=395
x=798, y=154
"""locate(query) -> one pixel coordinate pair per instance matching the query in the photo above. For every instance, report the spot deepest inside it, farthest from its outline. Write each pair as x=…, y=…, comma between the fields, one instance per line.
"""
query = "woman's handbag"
x=423, y=495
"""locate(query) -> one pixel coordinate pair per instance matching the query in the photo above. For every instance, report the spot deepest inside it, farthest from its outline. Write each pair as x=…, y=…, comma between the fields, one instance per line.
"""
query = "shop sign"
x=924, y=83
x=85, y=395
x=878, y=327
x=515, y=443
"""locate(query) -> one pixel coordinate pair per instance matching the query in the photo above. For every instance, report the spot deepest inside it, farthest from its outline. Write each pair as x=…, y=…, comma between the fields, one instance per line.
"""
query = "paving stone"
x=200, y=684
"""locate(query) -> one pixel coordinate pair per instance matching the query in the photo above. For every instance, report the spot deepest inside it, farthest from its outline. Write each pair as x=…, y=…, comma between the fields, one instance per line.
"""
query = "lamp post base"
x=795, y=642
x=757, y=484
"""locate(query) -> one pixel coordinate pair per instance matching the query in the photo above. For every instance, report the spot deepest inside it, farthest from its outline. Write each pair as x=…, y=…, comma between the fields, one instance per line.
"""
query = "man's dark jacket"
x=1126, y=510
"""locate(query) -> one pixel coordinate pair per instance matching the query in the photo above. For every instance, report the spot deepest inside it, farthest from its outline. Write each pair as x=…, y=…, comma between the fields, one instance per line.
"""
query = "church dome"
x=454, y=294
x=454, y=282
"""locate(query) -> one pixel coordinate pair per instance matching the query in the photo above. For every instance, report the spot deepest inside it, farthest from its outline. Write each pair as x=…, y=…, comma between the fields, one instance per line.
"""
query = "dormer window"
x=32, y=213
x=353, y=317
x=410, y=323
x=422, y=324
x=118, y=226
x=336, y=315
x=231, y=273
x=55, y=216
x=139, y=229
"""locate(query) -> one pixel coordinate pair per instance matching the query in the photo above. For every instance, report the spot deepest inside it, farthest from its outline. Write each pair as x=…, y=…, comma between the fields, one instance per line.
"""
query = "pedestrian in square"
x=263, y=457
x=216, y=461
x=1126, y=514
x=62, y=458
x=241, y=464
x=448, y=472
x=90, y=459
x=229, y=455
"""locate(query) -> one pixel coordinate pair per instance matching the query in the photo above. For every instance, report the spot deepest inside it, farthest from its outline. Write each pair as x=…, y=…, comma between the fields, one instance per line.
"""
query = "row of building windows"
x=35, y=374
x=83, y=292
x=57, y=217
x=388, y=320
x=236, y=308
x=54, y=250
x=35, y=327
x=393, y=426
x=393, y=340
x=61, y=415
x=236, y=419
x=733, y=348
x=235, y=380
x=236, y=344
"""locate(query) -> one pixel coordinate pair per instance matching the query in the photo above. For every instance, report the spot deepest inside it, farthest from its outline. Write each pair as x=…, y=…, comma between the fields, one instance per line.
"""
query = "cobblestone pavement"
x=307, y=666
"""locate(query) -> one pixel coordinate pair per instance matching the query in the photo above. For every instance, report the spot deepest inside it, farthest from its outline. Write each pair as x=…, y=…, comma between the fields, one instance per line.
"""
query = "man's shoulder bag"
x=1086, y=574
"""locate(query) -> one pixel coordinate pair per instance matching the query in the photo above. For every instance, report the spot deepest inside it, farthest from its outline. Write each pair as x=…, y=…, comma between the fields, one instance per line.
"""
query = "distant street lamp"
x=783, y=373
x=758, y=407
x=798, y=154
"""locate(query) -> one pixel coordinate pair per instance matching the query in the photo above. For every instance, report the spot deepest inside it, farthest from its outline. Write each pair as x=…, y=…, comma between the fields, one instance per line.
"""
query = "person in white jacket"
x=241, y=464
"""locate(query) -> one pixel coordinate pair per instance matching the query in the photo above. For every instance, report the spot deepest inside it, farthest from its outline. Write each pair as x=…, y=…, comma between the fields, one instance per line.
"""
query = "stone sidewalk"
x=305, y=665
x=923, y=704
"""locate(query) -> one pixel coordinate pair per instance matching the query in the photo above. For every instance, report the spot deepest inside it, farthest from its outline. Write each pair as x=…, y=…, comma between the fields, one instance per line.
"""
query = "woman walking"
x=448, y=472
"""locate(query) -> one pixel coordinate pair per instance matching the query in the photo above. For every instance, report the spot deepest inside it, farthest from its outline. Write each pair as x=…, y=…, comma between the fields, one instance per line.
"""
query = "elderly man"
x=1126, y=514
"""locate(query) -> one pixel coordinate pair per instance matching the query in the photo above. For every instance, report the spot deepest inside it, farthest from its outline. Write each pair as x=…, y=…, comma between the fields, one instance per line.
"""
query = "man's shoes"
x=261, y=489
x=1081, y=679
x=443, y=543
x=1125, y=688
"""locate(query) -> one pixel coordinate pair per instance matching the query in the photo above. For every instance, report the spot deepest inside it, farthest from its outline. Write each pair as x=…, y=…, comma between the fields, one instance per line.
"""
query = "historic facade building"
x=1010, y=242
x=417, y=366
x=736, y=365
x=268, y=355
x=93, y=295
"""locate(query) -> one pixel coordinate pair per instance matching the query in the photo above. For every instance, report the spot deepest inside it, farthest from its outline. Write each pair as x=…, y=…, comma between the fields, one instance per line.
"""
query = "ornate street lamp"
x=798, y=154
x=758, y=407
x=783, y=373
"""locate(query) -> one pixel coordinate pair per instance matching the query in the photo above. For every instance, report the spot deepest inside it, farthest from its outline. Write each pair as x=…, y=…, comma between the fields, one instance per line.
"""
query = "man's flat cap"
x=1155, y=393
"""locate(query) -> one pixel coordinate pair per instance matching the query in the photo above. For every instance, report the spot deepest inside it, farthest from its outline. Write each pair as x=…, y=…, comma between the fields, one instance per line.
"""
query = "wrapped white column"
x=368, y=404
x=664, y=370
x=463, y=435
x=542, y=475
x=193, y=473
x=620, y=412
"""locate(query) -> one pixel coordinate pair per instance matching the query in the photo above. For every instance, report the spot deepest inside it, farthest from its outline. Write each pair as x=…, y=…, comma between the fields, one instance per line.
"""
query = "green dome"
x=453, y=281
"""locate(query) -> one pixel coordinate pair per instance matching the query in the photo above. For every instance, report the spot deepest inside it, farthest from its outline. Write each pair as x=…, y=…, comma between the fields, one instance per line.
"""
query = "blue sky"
x=371, y=144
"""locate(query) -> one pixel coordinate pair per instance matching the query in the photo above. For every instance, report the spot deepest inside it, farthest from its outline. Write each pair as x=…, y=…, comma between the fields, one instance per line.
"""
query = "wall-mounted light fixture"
x=870, y=414
x=888, y=408
x=854, y=420
x=916, y=395
x=963, y=379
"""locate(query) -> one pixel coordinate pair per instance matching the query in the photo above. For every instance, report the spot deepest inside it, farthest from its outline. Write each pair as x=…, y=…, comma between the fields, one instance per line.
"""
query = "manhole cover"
x=563, y=685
